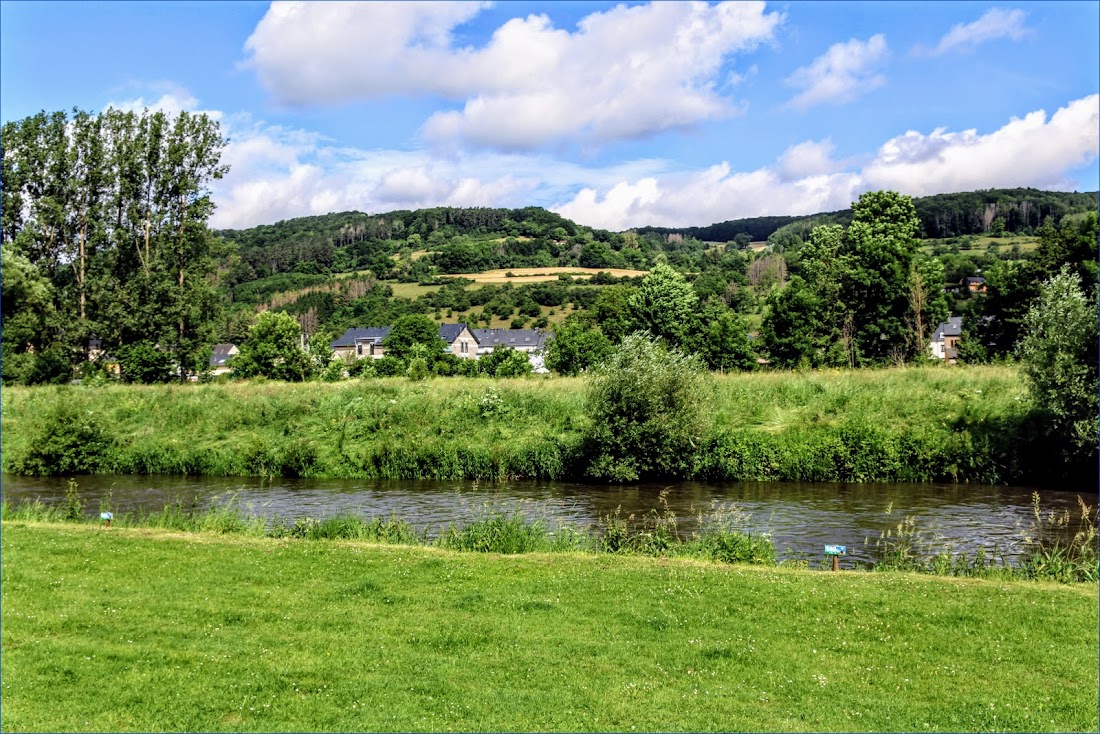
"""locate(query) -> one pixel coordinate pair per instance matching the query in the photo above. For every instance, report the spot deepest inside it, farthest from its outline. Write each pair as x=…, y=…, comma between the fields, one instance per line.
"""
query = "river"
x=800, y=517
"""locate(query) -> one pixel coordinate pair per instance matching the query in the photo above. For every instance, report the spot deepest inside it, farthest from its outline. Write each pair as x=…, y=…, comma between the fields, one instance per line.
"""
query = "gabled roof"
x=352, y=336
x=952, y=327
x=222, y=353
x=531, y=338
x=450, y=332
x=973, y=279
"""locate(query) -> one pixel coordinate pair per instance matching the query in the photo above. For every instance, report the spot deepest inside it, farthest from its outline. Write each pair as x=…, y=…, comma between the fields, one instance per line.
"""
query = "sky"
x=614, y=115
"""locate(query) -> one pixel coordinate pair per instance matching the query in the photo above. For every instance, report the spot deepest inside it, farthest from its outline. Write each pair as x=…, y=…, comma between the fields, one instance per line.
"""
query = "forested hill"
x=532, y=236
x=942, y=215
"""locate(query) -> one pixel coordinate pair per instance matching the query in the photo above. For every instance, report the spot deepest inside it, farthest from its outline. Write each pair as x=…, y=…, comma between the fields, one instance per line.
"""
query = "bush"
x=647, y=406
x=67, y=440
x=1058, y=351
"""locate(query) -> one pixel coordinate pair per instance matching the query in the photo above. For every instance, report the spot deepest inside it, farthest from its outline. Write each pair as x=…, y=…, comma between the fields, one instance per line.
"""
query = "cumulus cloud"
x=624, y=73
x=843, y=73
x=1032, y=151
x=995, y=23
x=810, y=158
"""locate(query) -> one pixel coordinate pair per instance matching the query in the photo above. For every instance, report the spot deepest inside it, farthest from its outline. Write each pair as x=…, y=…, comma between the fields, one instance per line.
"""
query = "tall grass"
x=929, y=424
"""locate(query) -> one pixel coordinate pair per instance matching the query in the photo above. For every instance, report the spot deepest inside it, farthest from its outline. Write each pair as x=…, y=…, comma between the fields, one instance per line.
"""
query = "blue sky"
x=616, y=115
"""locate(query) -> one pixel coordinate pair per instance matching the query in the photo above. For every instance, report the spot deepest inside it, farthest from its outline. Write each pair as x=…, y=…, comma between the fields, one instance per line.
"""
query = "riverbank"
x=897, y=425
x=151, y=629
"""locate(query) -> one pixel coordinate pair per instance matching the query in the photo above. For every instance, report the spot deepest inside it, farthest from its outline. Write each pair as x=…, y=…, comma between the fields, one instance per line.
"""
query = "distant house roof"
x=952, y=327
x=973, y=280
x=450, y=332
x=351, y=337
x=222, y=353
x=531, y=338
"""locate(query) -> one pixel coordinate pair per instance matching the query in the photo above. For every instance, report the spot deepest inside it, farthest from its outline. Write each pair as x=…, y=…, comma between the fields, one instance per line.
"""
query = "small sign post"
x=106, y=518
x=836, y=551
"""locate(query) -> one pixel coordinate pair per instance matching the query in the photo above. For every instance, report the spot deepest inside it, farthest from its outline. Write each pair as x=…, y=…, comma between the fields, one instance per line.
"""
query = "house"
x=367, y=343
x=460, y=341
x=945, y=339
x=360, y=343
x=974, y=284
x=220, y=358
x=531, y=341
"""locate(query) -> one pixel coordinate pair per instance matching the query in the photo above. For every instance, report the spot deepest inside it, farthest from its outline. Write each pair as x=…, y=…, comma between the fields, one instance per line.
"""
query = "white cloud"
x=624, y=73
x=995, y=23
x=278, y=173
x=843, y=73
x=1032, y=151
x=810, y=158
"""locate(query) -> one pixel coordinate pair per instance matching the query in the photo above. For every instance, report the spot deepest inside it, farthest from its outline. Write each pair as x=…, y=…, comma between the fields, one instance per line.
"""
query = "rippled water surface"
x=801, y=518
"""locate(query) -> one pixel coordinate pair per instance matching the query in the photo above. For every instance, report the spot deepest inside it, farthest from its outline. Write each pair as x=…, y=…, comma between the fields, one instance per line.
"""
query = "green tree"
x=504, y=361
x=882, y=239
x=410, y=331
x=144, y=363
x=791, y=330
x=578, y=345
x=273, y=350
x=722, y=340
x=648, y=410
x=1058, y=352
x=665, y=304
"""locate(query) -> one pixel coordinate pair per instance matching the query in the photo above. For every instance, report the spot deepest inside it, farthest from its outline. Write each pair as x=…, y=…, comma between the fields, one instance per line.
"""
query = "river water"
x=800, y=517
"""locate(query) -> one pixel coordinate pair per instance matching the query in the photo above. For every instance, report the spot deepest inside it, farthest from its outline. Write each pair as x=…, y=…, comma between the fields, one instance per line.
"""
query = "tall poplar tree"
x=112, y=210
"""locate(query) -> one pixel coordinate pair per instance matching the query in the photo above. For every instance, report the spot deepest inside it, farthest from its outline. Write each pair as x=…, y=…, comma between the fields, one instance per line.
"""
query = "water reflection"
x=801, y=517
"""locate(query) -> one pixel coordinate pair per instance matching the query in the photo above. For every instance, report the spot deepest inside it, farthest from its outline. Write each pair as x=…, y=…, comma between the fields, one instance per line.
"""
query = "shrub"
x=67, y=440
x=647, y=406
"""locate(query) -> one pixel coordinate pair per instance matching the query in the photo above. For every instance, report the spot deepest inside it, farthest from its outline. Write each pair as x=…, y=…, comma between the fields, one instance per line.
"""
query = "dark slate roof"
x=450, y=332
x=512, y=337
x=973, y=280
x=221, y=354
x=370, y=334
x=953, y=327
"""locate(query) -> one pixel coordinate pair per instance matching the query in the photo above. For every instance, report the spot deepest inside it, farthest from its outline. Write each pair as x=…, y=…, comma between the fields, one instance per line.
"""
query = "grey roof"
x=973, y=279
x=450, y=332
x=222, y=353
x=370, y=334
x=953, y=327
x=535, y=338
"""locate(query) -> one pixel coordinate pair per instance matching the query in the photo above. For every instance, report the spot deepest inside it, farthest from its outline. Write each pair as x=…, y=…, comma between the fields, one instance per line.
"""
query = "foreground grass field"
x=906, y=424
x=151, y=630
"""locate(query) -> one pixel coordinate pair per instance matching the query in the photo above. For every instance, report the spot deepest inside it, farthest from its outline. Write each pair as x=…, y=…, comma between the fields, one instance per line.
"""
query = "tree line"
x=104, y=238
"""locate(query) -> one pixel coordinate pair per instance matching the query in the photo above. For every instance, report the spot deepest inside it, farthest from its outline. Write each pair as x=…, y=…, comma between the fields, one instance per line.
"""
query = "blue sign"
x=106, y=515
x=836, y=550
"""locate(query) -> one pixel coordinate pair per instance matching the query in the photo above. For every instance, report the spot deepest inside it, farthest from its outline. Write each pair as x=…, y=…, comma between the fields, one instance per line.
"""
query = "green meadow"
x=154, y=630
x=905, y=424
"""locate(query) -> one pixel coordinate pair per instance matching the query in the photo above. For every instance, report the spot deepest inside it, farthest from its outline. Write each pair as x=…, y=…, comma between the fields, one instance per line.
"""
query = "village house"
x=946, y=338
x=367, y=343
x=360, y=343
x=220, y=358
x=974, y=284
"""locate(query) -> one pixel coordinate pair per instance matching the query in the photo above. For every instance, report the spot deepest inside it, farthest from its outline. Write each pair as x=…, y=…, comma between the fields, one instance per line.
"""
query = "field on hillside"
x=150, y=630
x=984, y=244
x=537, y=275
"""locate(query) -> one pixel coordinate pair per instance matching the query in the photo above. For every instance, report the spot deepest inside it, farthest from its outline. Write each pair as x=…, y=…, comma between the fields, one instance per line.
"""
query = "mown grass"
x=906, y=424
x=145, y=630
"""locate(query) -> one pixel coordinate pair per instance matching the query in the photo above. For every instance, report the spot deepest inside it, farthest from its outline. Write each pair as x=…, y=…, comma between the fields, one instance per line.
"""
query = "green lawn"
x=153, y=630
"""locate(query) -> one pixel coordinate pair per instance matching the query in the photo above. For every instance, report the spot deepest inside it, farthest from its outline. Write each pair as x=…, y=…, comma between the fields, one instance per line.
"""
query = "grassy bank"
x=909, y=424
x=155, y=630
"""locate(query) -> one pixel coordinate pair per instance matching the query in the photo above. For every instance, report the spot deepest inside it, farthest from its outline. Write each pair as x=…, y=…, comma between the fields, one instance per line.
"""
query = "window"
x=359, y=349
